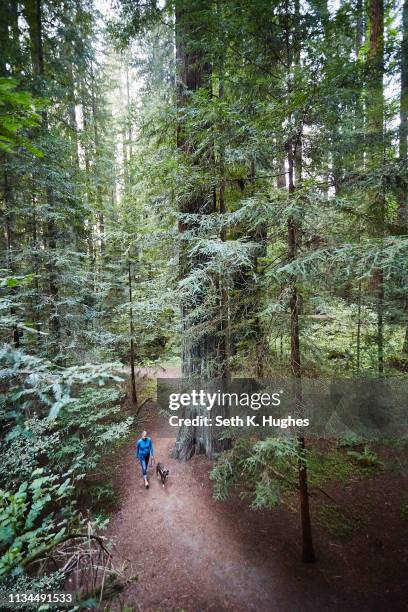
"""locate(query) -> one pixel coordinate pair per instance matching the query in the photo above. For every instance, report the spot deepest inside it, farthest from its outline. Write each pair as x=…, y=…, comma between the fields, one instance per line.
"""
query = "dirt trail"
x=193, y=553
x=190, y=552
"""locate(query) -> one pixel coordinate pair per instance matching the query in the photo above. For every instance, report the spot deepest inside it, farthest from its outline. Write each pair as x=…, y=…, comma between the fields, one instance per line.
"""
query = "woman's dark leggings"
x=144, y=462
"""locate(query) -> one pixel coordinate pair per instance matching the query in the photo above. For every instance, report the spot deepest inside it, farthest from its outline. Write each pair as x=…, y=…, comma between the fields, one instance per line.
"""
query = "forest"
x=205, y=190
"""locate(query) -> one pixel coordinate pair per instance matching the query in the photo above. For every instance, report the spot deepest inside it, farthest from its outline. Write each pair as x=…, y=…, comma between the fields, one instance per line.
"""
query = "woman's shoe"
x=146, y=483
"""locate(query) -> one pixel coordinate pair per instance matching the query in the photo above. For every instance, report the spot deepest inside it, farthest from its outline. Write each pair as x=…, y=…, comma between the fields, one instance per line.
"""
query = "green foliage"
x=102, y=499
x=264, y=470
x=88, y=426
x=350, y=441
x=229, y=469
x=330, y=465
x=35, y=384
x=57, y=425
x=18, y=113
x=24, y=445
x=34, y=519
x=366, y=458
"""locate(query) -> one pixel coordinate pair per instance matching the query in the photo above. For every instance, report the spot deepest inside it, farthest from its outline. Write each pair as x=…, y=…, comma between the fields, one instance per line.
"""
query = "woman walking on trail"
x=144, y=450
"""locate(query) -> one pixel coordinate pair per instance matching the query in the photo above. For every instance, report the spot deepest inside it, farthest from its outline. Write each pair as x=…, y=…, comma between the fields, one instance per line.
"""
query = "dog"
x=161, y=473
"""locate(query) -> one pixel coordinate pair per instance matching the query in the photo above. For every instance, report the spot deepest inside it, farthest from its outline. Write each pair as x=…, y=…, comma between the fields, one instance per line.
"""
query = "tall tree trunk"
x=224, y=326
x=360, y=163
x=132, y=333
x=402, y=188
x=88, y=178
x=294, y=149
x=36, y=259
x=260, y=237
x=125, y=144
x=97, y=178
x=375, y=124
x=8, y=196
x=199, y=351
x=8, y=216
x=194, y=73
x=403, y=127
x=128, y=115
x=359, y=26
x=359, y=322
x=33, y=14
x=70, y=84
x=308, y=555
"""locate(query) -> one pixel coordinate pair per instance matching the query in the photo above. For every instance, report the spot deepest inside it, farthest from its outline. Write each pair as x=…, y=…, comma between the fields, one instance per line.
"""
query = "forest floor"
x=193, y=553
